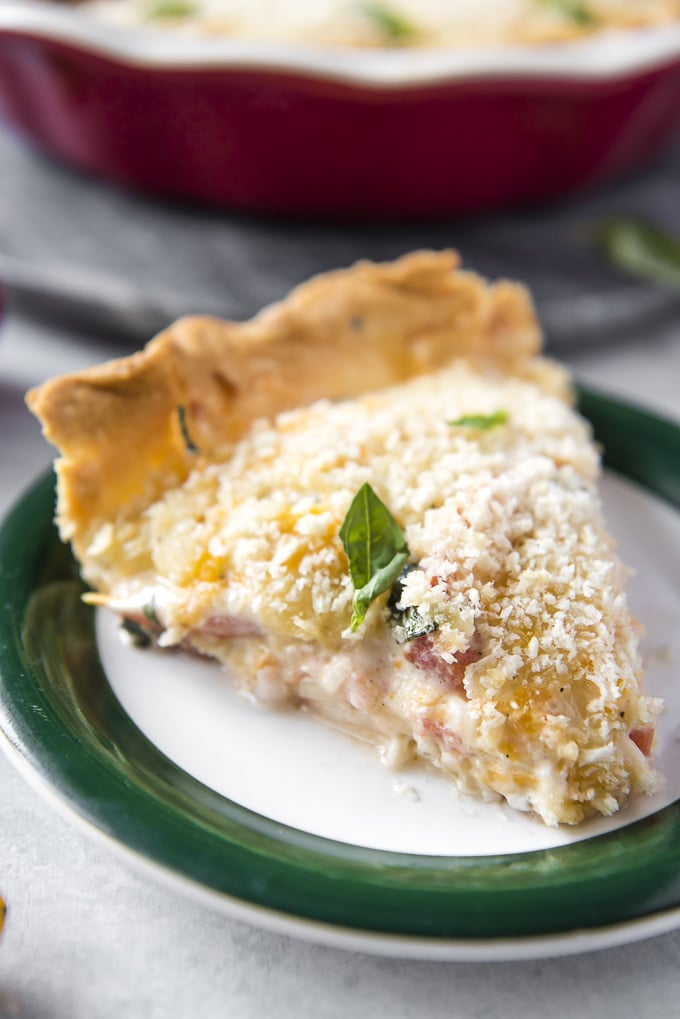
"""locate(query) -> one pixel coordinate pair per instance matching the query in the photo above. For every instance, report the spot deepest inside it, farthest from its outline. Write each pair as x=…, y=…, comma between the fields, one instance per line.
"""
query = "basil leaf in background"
x=375, y=547
x=481, y=421
x=580, y=14
x=641, y=248
x=170, y=9
x=394, y=26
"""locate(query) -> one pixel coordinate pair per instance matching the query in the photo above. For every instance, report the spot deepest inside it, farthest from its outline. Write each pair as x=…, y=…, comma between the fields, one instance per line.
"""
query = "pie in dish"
x=378, y=23
x=374, y=499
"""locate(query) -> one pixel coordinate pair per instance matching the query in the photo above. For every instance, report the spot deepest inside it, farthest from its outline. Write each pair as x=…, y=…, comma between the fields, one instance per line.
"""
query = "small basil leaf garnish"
x=580, y=14
x=170, y=9
x=641, y=248
x=375, y=547
x=483, y=422
x=393, y=25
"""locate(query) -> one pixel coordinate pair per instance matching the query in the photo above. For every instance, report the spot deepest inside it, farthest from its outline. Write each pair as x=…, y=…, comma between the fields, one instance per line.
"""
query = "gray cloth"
x=139, y=262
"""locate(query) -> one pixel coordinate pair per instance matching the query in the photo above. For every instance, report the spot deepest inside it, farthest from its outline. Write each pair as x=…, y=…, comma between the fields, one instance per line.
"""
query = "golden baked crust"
x=345, y=332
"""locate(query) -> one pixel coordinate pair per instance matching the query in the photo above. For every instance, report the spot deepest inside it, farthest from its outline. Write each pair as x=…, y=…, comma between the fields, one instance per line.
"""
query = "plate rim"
x=661, y=830
x=572, y=942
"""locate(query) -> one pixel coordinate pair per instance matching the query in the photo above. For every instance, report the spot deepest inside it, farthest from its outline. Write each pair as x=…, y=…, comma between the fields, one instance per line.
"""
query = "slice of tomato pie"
x=374, y=499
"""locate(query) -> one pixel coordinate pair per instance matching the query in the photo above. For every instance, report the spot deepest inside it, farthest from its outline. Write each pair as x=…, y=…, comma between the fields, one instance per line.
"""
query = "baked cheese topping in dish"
x=456, y=23
x=237, y=490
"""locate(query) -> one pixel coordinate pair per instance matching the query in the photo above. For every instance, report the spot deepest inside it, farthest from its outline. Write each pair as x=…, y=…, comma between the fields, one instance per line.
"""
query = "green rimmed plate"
x=63, y=722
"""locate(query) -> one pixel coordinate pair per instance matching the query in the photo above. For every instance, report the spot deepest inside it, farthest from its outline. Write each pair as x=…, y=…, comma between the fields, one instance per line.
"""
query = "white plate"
x=310, y=835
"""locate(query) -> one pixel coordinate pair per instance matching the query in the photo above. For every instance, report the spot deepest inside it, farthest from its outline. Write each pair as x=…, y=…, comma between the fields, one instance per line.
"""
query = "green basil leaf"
x=391, y=23
x=481, y=421
x=641, y=248
x=375, y=547
x=170, y=9
x=574, y=11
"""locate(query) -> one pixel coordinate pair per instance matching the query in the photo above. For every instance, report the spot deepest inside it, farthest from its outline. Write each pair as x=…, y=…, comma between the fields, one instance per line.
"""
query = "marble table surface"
x=88, y=938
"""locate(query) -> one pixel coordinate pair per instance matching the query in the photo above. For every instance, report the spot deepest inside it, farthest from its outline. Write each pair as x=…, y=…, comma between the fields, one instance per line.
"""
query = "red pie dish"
x=297, y=129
